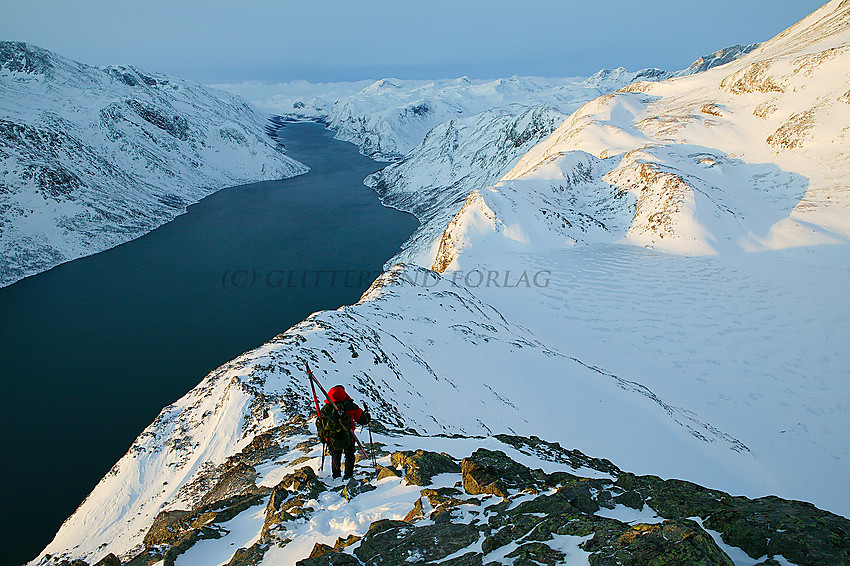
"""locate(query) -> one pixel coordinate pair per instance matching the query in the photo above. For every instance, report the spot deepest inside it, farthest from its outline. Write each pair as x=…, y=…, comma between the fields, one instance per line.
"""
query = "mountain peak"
x=20, y=57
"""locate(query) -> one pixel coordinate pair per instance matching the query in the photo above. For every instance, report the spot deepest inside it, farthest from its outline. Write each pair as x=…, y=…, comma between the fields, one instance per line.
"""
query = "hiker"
x=336, y=430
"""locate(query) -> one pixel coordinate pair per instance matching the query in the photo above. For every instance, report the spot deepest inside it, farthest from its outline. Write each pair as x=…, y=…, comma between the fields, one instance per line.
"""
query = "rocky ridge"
x=372, y=347
x=484, y=508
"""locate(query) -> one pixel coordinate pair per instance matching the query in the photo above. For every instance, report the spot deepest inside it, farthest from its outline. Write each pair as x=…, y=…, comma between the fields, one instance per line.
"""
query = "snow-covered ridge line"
x=466, y=153
x=471, y=501
x=93, y=157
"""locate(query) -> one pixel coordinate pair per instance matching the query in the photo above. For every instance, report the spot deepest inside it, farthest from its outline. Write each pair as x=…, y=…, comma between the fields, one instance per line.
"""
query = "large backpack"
x=333, y=428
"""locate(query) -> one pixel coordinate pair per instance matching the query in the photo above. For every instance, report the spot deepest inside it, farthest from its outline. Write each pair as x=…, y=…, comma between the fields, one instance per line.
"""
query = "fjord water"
x=94, y=348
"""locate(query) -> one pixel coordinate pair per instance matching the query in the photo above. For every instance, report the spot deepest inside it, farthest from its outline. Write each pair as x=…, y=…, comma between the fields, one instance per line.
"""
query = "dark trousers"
x=336, y=461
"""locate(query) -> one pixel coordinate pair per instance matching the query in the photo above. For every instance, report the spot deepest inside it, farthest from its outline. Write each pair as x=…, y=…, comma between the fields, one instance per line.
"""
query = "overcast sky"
x=325, y=40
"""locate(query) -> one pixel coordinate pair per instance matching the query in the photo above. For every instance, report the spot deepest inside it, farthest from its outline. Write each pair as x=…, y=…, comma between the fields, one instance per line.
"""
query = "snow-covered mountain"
x=456, y=157
x=296, y=100
x=92, y=157
x=389, y=117
x=748, y=156
x=433, y=179
x=660, y=282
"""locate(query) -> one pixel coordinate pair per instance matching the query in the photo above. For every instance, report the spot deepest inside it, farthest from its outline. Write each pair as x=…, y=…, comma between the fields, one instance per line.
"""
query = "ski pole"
x=371, y=442
x=318, y=418
x=337, y=409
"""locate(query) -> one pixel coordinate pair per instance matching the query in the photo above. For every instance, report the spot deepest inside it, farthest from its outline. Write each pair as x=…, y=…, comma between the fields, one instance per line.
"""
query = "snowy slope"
x=456, y=157
x=433, y=179
x=92, y=157
x=428, y=357
x=297, y=100
x=746, y=166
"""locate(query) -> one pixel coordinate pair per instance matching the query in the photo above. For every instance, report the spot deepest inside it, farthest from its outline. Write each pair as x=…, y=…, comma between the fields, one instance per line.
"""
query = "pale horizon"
x=259, y=40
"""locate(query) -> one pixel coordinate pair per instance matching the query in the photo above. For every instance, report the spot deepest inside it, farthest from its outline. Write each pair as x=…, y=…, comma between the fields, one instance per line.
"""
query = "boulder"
x=330, y=559
x=420, y=466
x=251, y=556
x=387, y=472
x=673, y=542
x=390, y=543
x=108, y=560
x=492, y=472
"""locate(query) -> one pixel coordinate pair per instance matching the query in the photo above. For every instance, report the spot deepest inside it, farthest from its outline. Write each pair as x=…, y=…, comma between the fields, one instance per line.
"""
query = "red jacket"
x=346, y=403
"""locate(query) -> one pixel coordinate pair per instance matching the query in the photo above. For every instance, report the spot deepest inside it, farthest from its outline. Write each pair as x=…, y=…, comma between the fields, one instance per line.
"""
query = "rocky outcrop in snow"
x=461, y=375
x=91, y=157
x=720, y=57
x=479, y=501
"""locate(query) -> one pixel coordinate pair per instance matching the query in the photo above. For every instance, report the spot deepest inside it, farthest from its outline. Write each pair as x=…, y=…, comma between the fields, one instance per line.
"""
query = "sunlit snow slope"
x=740, y=175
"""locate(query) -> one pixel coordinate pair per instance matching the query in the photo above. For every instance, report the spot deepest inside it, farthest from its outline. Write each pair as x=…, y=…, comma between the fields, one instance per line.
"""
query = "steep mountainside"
x=506, y=499
x=456, y=157
x=91, y=157
x=430, y=359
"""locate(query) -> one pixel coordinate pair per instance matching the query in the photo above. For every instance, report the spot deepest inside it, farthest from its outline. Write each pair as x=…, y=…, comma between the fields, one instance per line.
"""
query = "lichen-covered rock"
x=345, y=542
x=799, y=531
x=387, y=472
x=630, y=499
x=251, y=556
x=303, y=480
x=320, y=550
x=536, y=507
x=354, y=487
x=240, y=479
x=554, y=452
x=673, y=542
x=420, y=466
x=330, y=559
x=492, y=472
x=416, y=513
x=289, y=497
x=166, y=527
x=534, y=554
x=396, y=542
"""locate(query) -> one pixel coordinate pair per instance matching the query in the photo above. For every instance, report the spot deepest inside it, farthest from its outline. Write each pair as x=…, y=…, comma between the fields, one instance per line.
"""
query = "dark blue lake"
x=93, y=349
